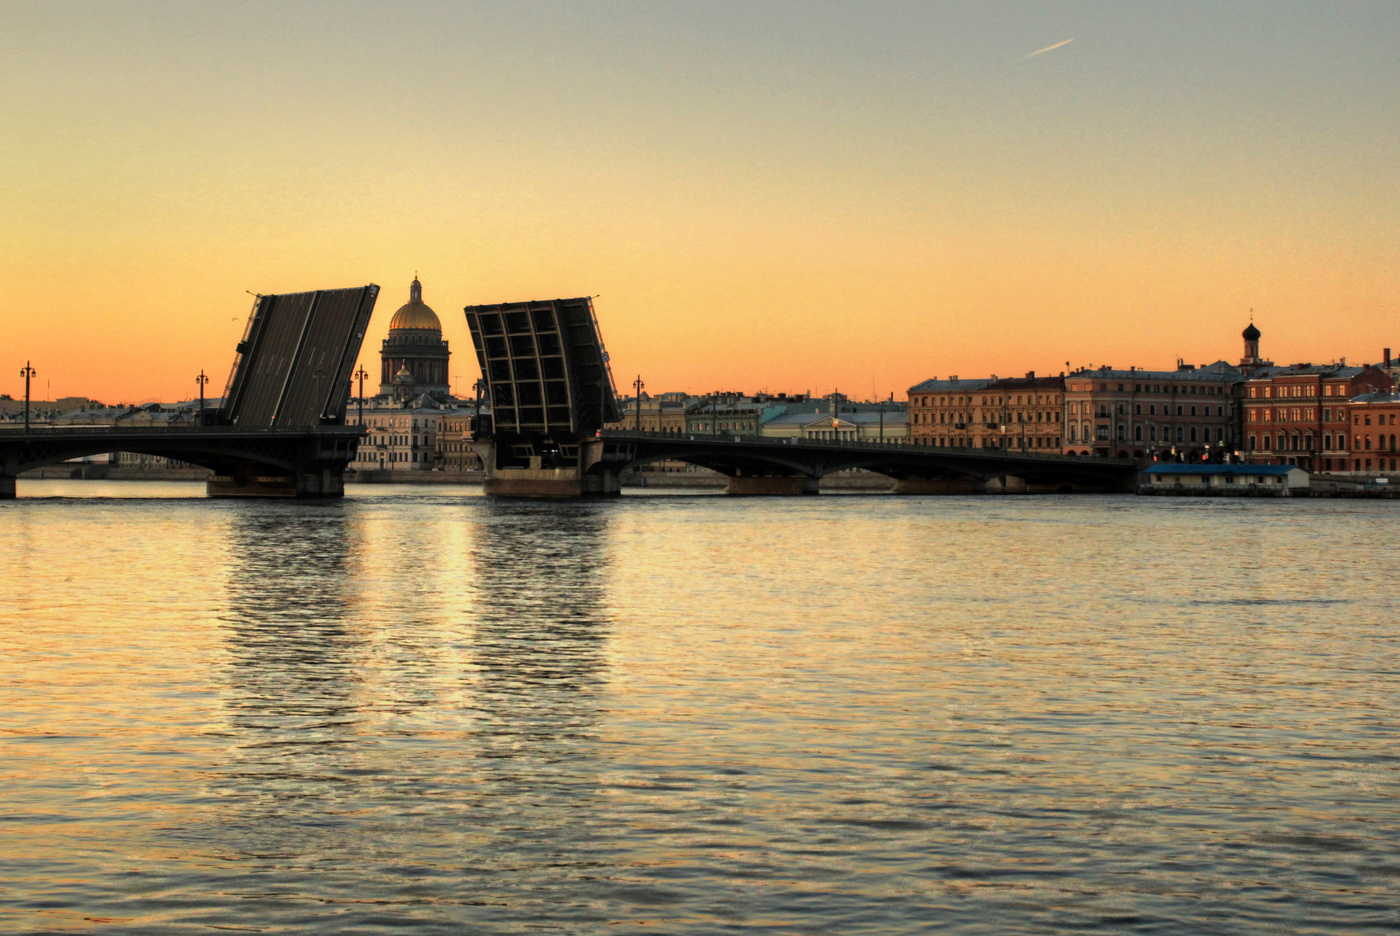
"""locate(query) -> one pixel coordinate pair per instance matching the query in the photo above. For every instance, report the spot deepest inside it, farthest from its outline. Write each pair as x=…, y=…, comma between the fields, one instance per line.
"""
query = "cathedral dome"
x=1250, y=334
x=414, y=313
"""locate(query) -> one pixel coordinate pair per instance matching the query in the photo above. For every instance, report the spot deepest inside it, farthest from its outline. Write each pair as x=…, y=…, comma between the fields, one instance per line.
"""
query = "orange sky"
x=779, y=196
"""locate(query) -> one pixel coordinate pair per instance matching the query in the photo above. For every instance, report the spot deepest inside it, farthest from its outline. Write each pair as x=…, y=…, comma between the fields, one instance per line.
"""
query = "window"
x=1137, y=409
x=1193, y=433
x=1251, y=443
x=1137, y=433
x=1193, y=411
x=1179, y=409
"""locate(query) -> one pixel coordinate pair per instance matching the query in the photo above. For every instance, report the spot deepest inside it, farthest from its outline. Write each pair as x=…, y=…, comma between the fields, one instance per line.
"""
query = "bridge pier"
x=7, y=487
x=767, y=486
x=1006, y=484
x=549, y=483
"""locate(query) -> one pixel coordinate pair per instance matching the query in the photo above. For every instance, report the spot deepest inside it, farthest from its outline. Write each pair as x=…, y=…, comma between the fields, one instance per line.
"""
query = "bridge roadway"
x=795, y=466
x=280, y=462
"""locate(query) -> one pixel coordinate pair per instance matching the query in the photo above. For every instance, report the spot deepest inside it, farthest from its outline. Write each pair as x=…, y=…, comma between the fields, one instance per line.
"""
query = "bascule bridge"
x=551, y=393
x=280, y=431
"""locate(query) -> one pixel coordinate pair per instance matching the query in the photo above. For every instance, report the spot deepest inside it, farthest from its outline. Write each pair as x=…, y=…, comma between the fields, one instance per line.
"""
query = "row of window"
x=993, y=442
x=1181, y=409
x=1154, y=388
x=1088, y=433
x=1297, y=390
x=1303, y=442
x=1023, y=399
x=396, y=422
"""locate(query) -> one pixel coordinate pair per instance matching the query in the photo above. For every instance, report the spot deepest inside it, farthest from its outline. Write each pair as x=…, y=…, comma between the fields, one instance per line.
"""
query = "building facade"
x=944, y=412
x=453, y=443
x=1023, y=413
x=415, y=345
x=1188, y=413
x=1375, y=424
x=1300, y=415
x=400, y=438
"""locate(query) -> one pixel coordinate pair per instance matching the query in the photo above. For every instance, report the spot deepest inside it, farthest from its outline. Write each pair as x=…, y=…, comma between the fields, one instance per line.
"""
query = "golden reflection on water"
x=695, y=713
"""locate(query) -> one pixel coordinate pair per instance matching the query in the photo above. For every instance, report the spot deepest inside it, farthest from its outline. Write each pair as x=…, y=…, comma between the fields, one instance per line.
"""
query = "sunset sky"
x=762, y=195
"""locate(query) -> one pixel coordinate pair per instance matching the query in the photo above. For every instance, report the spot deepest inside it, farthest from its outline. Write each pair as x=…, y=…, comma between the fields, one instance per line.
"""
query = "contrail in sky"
x=1048, y=48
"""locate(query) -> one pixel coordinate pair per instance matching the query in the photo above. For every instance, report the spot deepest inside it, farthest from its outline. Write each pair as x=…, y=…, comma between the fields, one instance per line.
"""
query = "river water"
x=422, y=710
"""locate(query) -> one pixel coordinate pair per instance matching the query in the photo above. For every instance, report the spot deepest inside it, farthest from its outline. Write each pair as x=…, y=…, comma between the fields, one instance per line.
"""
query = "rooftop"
x=1210, y=373
x=934, y=385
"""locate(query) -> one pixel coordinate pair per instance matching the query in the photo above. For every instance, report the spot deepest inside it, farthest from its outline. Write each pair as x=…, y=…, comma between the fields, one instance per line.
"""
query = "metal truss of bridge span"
x=284, y=462
x=791, y=466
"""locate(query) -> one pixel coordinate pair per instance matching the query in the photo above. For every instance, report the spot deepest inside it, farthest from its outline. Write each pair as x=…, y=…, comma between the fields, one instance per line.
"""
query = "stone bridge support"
x=592, y=477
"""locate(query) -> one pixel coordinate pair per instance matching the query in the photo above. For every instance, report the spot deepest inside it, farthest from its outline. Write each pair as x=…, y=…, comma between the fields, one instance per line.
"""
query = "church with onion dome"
x=414, y=358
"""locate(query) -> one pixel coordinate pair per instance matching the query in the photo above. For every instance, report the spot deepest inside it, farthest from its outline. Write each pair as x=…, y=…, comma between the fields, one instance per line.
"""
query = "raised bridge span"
x=280, y=430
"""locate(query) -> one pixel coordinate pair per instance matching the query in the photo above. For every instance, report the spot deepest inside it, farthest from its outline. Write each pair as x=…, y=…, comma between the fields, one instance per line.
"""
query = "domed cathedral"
x=415, y=345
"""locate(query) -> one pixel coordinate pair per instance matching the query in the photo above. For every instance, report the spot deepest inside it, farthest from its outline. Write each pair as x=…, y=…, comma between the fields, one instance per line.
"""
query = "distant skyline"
x=781, y=196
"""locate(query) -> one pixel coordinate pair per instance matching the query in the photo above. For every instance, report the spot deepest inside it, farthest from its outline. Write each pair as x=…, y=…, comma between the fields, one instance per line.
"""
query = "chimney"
x=1387, y=357
x=1030, y=375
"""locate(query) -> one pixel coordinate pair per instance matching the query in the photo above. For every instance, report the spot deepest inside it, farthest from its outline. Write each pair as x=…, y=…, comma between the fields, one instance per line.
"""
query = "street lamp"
x=27, y=372
x=361, y=374
x=202, y=380
x=639, y=385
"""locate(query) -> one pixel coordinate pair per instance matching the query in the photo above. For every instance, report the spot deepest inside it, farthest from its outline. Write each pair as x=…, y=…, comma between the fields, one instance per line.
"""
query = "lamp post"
x=202, y=380
x=360, y=375
x=639, y=385
x=476, y=416
x=27, y=372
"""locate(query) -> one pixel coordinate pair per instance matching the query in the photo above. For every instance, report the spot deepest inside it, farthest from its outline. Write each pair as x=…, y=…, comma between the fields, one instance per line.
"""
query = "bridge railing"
x=902, y=444
x=38, y=430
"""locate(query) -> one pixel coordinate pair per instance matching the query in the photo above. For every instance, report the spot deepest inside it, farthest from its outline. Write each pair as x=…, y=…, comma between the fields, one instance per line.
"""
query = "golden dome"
x=414, y=313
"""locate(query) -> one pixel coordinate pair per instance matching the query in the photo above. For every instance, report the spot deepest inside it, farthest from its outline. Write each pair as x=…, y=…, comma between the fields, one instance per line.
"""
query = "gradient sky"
x=763, y=195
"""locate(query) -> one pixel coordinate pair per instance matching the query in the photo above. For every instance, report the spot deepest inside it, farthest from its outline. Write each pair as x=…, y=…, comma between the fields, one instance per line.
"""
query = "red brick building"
x=1300, y=416
x=1375, y=423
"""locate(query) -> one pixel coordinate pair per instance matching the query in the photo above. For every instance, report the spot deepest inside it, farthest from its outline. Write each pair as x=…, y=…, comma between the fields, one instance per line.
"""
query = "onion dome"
x=414, y=313
x=1250, y=334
